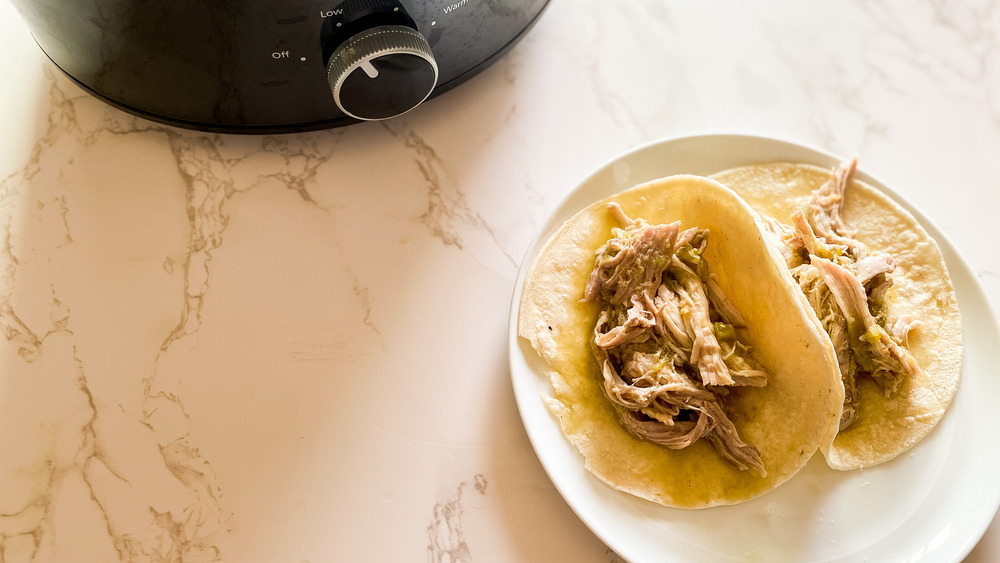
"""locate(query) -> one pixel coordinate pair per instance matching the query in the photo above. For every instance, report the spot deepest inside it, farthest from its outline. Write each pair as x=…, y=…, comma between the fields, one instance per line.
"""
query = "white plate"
x=932, y=503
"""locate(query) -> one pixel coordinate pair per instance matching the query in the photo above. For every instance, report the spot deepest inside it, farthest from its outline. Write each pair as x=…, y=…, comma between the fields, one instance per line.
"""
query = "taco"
x=879, y=285
x=685, y=366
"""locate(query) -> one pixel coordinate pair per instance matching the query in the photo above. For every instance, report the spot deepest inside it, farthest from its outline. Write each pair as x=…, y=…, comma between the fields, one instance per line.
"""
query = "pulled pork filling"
x=846, y=285
x=666, y=339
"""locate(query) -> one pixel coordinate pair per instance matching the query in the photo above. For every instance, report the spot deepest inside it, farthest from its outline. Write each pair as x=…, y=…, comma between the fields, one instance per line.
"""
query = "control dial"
x=383, y=67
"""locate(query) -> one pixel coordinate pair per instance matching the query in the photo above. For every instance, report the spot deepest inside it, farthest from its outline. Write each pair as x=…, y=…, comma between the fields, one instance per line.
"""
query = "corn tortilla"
x=788, y=420
x=886, y=426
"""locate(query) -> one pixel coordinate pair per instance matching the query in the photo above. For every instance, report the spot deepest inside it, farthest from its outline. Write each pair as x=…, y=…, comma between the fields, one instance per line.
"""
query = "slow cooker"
x=265, y=66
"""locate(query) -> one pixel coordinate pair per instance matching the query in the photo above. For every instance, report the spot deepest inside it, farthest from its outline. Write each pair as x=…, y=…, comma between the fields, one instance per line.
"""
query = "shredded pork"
x=846, y=286
x=666, y=340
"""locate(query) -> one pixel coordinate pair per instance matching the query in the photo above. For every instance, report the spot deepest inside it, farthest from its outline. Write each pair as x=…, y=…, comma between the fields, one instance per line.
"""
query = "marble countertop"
x=293, y=348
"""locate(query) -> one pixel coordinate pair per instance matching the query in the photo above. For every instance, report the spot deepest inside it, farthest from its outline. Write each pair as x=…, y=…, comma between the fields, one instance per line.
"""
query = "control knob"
x=381, y=66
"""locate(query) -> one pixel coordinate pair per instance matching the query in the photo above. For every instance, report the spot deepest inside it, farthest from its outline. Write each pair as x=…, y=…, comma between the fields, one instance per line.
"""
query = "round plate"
x=934, y=502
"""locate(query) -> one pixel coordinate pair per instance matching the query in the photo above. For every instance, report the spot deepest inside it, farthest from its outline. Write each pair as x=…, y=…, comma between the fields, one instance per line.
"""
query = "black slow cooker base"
x=287, y=128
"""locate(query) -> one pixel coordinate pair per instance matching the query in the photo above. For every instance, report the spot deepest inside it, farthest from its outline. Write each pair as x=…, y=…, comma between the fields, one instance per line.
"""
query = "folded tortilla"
x=788, y=420
x=885, y=426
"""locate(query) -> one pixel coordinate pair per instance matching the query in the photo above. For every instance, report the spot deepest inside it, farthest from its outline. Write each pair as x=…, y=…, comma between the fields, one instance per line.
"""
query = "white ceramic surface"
x=932, y=503
x=294, y=348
